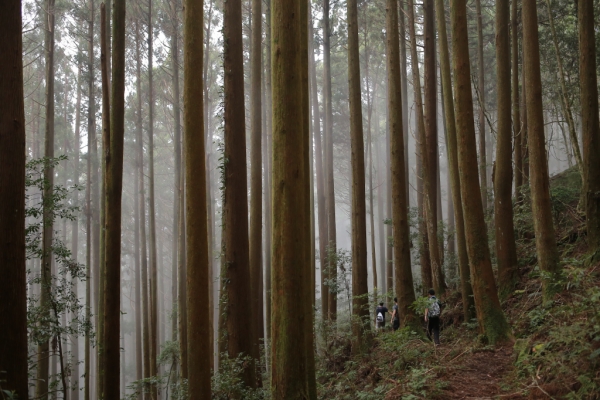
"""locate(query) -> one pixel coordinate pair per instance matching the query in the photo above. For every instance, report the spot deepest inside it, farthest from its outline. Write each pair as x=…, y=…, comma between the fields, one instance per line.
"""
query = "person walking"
x=395, y=315
x=380, y=316
x=432, y=317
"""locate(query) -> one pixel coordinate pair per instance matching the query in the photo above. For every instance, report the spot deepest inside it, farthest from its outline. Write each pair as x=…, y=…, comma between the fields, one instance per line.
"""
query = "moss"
x=495, y=325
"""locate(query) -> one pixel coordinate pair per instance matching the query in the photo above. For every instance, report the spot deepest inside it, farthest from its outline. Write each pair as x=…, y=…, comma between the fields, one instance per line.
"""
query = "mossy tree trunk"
x=545, y=240
x=590, y=124
x=291, y=374
x=506, y=250
x=13, y=291
x=114, y=186
x=401, y=230
x=199, y=347
x=492, y=321
x=360, y=301
x=448, y=101
x=235, y=269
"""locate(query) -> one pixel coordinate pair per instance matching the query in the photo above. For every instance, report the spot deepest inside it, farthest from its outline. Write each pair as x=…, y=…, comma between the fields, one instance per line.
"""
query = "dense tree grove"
x=211, y=198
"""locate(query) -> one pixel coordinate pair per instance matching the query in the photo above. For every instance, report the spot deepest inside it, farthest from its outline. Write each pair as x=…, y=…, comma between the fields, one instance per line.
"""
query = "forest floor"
x=555, y=354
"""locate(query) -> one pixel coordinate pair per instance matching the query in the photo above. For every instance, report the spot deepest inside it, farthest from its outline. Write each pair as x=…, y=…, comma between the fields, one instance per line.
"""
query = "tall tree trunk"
x=545, y=240
x=404, y=91
x=322, y=212
x=589, y=123
x=451, y=141
x=566, y=106
x=268, y=174
x=139, y=372
x=142, y=208
x=47, y=233
x=524, y=130
x=235, y=271
x=13, y=291
x=290, y=372
x=360, y=302
x=401, y=230
x=506, y=250
x=481, y=95
x=209, y=201
x=428, y=203
x=198, y=322
x=328, y=156
x=114, y=185
x=517, y=128
x=255, y=247
x=182, y=282
x=153, y=278
x=74, y=339
x=492, y=321
x=389, y=261
x=177, y=159
x=431, y=171
x=92, y=228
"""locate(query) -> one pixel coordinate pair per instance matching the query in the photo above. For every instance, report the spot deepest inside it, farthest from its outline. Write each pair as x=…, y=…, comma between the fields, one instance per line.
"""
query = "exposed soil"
x=480, y=375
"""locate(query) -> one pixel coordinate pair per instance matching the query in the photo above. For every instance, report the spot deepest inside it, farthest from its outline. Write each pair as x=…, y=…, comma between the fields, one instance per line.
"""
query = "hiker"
x=432, y=317
x=395, y=315
x=380, y=316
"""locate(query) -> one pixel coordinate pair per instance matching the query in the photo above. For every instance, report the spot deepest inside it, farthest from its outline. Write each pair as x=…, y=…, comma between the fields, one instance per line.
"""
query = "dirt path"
x=480, y=375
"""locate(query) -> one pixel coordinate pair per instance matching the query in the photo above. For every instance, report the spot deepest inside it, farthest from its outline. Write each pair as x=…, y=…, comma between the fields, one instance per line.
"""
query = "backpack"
x=380, y=317
x=434, y=308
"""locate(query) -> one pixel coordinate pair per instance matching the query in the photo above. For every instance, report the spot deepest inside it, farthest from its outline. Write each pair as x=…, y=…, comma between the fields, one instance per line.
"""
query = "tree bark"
x=114, y=185
x=401, y=230
x=74, y=339
x=492, y=321
x=92, y=229
x=235, y=269
x=290, y=373
x=255, y=247
x=524, y=130
x=517, y=127
x=431, y=172
x=43, y=356
x=328, y=156
x=404, y=90
x=142, y=208
x=428, y=204
x=153, y=278
x=360, y=302
x=547, y=252
x=177, y=159
x=506, y=250
x=481, y=95
x=451, y=140
x=268, y=174
x=198, y=322
x=589, y=123
x=13, y=291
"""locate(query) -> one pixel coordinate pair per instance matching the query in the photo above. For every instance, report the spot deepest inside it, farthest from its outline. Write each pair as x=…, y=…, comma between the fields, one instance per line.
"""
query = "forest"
x=299, y=199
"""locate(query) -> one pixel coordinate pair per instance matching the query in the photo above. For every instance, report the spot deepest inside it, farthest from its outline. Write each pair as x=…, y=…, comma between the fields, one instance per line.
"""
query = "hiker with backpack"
x=432, y=317
x=395, y=315
x=380, y=316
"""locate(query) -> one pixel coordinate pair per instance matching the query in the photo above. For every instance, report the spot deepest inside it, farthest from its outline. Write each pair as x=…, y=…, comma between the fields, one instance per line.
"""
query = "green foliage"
x=44, y=321
x=228, y=384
